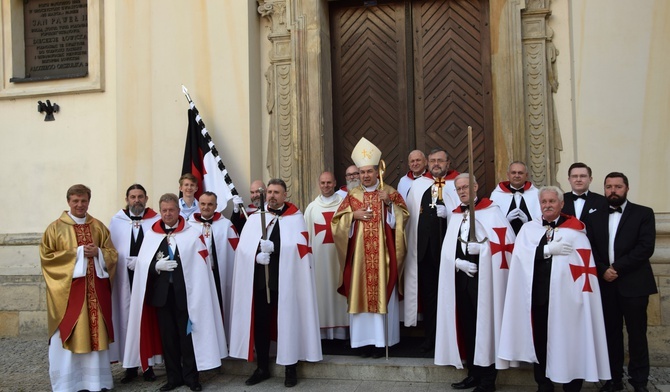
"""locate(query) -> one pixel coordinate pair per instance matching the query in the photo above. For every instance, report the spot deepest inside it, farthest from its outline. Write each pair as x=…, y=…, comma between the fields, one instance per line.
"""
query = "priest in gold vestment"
x=78, y=262
x=369, y=234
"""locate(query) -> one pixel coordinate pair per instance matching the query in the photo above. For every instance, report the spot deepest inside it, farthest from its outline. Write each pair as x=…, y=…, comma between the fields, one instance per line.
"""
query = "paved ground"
x=24, y=367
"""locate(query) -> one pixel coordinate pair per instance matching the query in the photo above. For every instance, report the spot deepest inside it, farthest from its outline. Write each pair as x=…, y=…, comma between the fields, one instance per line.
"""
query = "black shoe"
x=291, y=376
x=196, y=386
x=546, y=387
x=170, y=386
x=612, y=386
x=258, y=376
x=149, y=375
x=130, y=375
x=366, y=351
x=378, y=352
x=467, y=383
x=481, y=388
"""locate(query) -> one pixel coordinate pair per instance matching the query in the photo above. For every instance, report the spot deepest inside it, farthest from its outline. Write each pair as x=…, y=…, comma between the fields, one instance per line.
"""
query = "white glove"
x=237, y=201
x=522, y=215
x=267, y=246
x=130, y=262
x=263, y=258
x=441, y=211
x=469, y=268
x=513, y=214
x=474, y=248
x=165, y=264
x=558, y=248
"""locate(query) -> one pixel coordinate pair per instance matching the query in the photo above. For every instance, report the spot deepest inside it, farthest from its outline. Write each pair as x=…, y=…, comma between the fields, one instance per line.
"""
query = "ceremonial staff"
x=382, y=169
x=264, y=230
x=472, y=235
x=215, y=153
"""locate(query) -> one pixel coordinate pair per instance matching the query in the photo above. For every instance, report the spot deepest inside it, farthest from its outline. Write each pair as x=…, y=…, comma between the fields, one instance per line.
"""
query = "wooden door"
x=412, y=75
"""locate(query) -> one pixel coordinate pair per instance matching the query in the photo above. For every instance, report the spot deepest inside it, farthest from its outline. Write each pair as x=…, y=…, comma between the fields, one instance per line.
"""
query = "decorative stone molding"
x=542, y=134
x=281, y=152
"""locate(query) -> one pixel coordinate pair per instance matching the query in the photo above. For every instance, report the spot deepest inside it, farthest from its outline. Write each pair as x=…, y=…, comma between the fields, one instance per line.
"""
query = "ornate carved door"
x=412, y=74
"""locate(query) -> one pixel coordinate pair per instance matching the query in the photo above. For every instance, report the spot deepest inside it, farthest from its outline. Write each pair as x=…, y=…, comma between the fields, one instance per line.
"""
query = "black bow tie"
x=465, y=207
x=582, y=196
x=276, y=212
x=210, y=221
x=513, y=190
x=545, y=223
x=615, y=209
x=136, y=218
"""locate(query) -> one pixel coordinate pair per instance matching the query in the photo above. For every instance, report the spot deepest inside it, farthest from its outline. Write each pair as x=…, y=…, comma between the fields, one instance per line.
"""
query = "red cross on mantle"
x=304, y=249
x=328, y=237
x=578, y=270
x=501, y=247
x=234, y=242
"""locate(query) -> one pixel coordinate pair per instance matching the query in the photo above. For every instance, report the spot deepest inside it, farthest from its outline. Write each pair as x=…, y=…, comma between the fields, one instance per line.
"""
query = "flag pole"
x=229, y=180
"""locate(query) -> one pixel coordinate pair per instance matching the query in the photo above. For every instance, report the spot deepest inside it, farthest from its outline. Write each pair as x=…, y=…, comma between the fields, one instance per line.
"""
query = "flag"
x=202, y=159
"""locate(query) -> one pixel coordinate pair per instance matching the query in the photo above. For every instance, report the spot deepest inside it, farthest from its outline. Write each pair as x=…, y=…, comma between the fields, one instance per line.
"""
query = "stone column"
x=542, y=134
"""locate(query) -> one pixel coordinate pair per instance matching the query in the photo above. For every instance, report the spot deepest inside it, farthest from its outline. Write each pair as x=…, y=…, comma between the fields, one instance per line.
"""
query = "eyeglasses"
x=437, y=160
x=352, y=174
x=463, y=188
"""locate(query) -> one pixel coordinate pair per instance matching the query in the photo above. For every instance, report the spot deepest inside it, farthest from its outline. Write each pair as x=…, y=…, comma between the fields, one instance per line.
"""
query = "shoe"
x=149, y=375
x=196, y=386
x=378, y=352
x=366, y=351
x=467, y=383
x=481, y=388
x=291, y=376
x=170, y=386
x=611, y=386
x=641, y=388
x=258, y=376
x=130, y=375
x=547, y=387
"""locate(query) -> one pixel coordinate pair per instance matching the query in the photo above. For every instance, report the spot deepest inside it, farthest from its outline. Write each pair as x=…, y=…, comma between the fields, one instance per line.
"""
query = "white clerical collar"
x=328, y=199
x=419, y=175
x=171, y=227
x=77, y=220
x=371, y=188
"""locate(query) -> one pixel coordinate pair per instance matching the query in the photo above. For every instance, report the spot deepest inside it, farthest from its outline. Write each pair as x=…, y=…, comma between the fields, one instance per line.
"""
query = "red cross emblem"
x=203, y=253
x=328, y=237
x=501, y=247
x=304, y=249
x=578, y=270
x=234, y=242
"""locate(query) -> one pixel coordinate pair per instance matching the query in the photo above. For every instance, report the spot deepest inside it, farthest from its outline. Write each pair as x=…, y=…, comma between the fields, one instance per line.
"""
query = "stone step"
x=420, y=370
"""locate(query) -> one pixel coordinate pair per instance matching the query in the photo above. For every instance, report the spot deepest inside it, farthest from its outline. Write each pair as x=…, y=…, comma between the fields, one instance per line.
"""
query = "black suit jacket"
x=633, y=246
x=159, y=284
x=430, y=229
x=594, y=203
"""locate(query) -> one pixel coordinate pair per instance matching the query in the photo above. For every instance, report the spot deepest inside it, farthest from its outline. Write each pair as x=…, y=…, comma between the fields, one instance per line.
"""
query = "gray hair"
x=551, y=188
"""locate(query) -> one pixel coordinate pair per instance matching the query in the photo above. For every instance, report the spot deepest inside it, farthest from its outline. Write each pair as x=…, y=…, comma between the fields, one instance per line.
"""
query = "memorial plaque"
x=56, y=38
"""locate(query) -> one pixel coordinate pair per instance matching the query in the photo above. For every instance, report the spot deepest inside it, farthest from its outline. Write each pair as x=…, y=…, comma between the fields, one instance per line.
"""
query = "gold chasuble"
x=371, y=260
x=81, y=307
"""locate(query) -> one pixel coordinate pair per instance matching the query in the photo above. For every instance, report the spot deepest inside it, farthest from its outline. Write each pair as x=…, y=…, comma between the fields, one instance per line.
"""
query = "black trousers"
x=178, y=352
x=540, y=315
x=632, y=310
x=265, y=314
x=466, y=308
x=429, y=275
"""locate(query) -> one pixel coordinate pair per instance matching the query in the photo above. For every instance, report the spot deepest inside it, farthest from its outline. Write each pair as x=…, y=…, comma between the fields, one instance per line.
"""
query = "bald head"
x=417, y=162
x=327, y=184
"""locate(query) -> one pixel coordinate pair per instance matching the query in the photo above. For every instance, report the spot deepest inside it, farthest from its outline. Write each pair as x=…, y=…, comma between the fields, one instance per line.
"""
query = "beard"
x=353, y=184
x=136, y=209
x=616, y=200
x=256, y=203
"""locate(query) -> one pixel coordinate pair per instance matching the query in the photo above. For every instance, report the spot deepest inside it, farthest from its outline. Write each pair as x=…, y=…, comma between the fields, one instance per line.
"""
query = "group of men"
x=178, y=286
x=532, y=275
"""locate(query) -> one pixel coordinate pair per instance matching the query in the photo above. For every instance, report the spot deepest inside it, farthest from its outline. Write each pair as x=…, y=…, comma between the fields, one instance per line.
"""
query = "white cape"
x=120, y=229
x=298, y=336
x=333, y=316
x=576, y=341
x=494, y=264
x=209, y=340
x=503, y=197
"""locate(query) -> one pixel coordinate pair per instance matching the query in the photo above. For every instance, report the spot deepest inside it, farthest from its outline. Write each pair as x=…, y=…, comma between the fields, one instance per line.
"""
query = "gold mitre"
x=366, y=154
